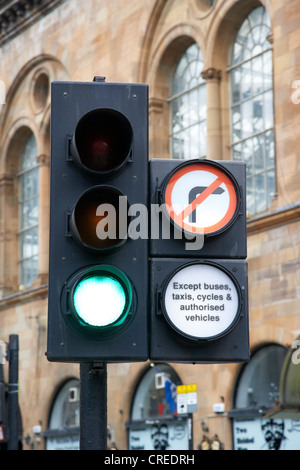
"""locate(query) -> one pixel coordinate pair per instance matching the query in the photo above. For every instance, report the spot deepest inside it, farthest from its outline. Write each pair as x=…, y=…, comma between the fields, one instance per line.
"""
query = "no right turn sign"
x=201, y=198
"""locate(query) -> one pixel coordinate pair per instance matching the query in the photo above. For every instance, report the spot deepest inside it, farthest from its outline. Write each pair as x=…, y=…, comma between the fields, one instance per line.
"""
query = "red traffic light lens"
x=95, y=219
x=102, y=141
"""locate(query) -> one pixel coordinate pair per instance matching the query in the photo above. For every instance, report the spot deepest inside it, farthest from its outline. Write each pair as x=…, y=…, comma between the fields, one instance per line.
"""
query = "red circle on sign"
x=221, y=178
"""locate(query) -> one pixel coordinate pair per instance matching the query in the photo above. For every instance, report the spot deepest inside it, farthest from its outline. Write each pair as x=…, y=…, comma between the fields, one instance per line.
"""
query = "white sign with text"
x=201, y=301
x=266, y=434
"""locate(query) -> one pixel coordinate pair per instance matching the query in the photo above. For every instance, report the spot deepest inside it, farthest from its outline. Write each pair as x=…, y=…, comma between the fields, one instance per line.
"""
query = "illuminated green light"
x=102, y=298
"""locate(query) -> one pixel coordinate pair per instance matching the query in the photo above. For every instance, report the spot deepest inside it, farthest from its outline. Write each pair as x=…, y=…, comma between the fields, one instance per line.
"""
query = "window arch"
x=188, y=106
x=256, y=395
x=28, y=213
x=251, y=79
x=154, y=423
x=258, y=384
x=149, y=395
x=64, y=422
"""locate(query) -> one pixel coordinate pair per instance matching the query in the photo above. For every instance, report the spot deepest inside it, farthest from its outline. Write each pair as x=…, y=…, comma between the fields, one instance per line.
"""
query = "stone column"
x=158, y=137
x=8, y=230
x=44, y=207
x=213, y=123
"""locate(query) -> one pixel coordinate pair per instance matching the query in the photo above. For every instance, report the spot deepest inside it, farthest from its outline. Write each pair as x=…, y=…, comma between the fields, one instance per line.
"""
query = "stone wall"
x=134, y=41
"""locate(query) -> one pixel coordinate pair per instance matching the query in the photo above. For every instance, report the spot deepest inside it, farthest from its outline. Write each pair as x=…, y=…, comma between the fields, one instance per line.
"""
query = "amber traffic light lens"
x=102, y=140
x=95, y=220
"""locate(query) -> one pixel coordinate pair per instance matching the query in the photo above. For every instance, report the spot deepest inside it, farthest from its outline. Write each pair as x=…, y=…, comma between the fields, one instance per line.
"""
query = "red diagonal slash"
x=199, y=199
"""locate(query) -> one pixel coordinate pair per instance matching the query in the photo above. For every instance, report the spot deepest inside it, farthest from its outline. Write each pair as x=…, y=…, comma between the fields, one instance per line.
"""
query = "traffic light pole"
x=93, y=406
x=13, y=392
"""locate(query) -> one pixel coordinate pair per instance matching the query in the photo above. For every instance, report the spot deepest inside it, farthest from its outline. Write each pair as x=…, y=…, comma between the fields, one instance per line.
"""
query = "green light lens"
x=101, y=300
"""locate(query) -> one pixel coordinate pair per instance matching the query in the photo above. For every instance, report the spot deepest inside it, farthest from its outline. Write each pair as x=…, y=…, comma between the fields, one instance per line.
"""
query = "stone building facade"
x=247, y=108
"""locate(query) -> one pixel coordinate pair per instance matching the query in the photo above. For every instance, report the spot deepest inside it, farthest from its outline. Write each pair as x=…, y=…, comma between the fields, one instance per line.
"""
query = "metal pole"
x=93, y=406
x=13, y=393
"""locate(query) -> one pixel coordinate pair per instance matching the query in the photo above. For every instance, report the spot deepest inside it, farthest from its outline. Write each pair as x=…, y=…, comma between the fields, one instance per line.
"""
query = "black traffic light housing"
x=197, y=305
x=99, y=169
x=228, y=242
x=198, y=272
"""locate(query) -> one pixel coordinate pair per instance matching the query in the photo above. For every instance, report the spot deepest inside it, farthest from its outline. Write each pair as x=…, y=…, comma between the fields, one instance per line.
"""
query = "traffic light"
x=98, y=274
x=198, y=272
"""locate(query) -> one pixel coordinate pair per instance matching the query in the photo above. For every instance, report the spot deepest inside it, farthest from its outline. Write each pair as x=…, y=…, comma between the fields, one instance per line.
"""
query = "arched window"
x=154, y=423
x=188, y=107
x=256, y=394
x=28, y=214
x=63, y=431
x=150, y=399
x=258, y=385
x=251, y=78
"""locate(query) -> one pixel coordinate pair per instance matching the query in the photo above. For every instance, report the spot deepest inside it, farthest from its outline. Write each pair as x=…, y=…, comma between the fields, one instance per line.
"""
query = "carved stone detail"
x=16, y=15
x=211, y=74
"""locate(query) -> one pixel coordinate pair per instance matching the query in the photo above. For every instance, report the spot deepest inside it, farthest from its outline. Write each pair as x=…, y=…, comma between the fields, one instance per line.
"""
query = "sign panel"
x=186, y=398
x=201, y=301
x=201, y=198
x=181, y=399
x=266, y=434
x=63, y=442
x=191, y=398
x=160, y=435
